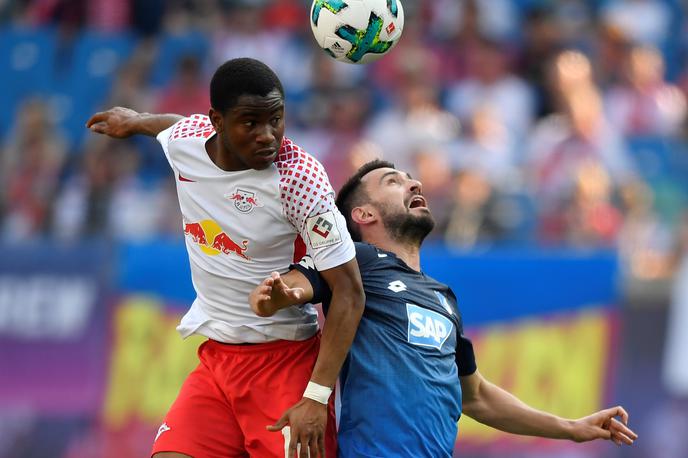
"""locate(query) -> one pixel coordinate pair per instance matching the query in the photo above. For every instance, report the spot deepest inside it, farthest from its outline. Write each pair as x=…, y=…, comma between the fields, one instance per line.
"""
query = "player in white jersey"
x=249, y=199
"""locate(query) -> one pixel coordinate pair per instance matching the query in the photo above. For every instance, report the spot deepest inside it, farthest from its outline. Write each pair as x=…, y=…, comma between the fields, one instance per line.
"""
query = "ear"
x=364, y=215
x=215, y=119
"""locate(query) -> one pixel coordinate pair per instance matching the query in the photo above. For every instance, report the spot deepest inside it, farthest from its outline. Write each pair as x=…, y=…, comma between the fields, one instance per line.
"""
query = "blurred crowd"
x=529, y=122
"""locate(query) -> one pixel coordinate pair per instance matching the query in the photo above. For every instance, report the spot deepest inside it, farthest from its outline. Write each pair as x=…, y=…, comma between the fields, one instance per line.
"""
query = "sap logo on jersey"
x=427, y=328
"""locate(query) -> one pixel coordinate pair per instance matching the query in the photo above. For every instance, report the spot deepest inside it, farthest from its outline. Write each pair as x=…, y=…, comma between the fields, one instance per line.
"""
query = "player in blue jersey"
x=411, y=372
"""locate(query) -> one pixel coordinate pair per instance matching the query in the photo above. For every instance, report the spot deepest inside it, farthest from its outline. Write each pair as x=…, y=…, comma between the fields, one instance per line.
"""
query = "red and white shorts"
x=235, y=392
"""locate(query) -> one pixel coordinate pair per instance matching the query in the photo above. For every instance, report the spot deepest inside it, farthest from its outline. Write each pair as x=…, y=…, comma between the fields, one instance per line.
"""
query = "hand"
x=272, y=295
x=308, y=420
x=115, y=122
x=603, y=425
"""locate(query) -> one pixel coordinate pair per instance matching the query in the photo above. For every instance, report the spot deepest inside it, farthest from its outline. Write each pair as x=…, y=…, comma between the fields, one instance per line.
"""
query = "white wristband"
x=317, y=393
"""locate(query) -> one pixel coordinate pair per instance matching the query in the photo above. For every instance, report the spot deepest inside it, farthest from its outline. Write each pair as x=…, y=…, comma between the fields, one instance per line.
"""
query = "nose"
x=416, y=187
x=266, y=135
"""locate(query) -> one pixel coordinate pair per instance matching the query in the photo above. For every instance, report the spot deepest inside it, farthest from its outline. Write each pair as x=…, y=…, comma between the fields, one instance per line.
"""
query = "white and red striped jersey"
x=241, y=226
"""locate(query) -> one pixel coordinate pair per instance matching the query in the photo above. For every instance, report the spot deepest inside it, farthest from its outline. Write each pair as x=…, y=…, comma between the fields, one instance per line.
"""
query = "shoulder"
x=303, y=180
x=194, y=126
x=367, y=254
x=292, y=160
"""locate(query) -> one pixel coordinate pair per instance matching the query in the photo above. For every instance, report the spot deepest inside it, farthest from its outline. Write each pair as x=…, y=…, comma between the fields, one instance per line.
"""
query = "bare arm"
x=120, y=122
x=345, y=311
x=280, y=291
x=491, y=405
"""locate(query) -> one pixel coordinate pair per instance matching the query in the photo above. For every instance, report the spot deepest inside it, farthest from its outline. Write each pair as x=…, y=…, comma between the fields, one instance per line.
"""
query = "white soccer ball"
x=357, y=31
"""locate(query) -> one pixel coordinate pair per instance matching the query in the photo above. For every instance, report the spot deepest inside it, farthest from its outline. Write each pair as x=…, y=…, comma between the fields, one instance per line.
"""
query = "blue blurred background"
x=550, y=137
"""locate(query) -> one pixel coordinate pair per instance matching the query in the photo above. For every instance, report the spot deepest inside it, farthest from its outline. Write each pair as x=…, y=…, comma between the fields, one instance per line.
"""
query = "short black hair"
x=352, y=195
x=238, y=77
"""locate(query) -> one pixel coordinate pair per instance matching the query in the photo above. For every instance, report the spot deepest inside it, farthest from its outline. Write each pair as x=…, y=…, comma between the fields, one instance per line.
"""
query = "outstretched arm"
x=120, y=122
x=280, y=291
x=495, y=407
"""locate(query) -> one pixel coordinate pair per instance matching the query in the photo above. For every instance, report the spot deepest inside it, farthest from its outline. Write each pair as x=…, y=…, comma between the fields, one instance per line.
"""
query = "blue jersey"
x=400, y=391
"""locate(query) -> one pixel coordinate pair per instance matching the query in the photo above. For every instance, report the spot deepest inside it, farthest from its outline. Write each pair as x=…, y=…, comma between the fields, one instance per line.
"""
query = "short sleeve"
x=321, y=290
x=465, y=357
x=308, y=203
x=195, y=126
x=164, y=139
x=327, y=240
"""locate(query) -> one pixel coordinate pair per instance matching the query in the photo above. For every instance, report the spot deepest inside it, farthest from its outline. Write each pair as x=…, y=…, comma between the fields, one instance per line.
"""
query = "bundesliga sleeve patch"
x=323, y=230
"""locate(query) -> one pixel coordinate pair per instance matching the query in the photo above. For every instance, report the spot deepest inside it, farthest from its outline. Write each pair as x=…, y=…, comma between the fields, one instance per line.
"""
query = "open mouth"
x=418, y=202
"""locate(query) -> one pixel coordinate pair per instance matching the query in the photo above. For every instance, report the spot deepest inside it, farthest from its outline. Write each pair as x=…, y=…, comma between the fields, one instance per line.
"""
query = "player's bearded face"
x=403, y=225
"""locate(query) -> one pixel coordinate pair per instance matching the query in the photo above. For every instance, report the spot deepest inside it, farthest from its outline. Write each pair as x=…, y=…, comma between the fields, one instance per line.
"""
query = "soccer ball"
x=357, y=31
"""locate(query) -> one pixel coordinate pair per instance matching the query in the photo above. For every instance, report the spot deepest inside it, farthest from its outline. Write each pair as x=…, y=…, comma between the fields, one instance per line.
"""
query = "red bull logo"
x=203, y=232
x=196, y=232
x=244, y=201
x=223, y=243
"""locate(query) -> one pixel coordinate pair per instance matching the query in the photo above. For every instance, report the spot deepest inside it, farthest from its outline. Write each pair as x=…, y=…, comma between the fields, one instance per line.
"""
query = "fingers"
x=321, y=446
x=617, y=432
x=296, y=293
x=292, y=447
x=620, y=438
x=622, y=432
x=312, y=449
x=96, y=118
x=305, y=446
x=281, y=423
x=263, y=292
x=278, y=282
x=618, y=411
x=603, y=433
x=100, y=128
x=301, y=445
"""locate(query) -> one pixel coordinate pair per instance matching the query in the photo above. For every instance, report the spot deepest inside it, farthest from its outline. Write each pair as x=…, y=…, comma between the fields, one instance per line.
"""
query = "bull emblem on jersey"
x=244, y=201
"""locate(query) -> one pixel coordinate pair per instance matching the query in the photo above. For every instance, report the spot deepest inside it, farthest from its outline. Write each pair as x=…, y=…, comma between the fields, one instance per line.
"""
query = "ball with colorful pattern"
x=357, y=31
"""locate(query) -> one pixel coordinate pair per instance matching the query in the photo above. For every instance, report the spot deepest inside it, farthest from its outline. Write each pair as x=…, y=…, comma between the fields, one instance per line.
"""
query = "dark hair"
x=241, y=76
x=352, y=195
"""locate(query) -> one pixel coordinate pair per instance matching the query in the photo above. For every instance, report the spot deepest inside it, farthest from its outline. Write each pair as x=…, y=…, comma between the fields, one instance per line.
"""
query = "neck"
x=407, y=252
x=220, y=156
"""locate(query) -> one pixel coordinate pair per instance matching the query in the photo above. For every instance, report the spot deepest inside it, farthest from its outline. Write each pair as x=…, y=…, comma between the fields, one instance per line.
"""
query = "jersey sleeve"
x=365, y=253
x=308, y=203
x=321, y=290
x=164, y=139
x=465, y=357
x=195, y=126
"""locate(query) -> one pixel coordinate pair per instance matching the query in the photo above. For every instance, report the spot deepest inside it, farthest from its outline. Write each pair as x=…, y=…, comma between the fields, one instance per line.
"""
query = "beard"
x=405, y=227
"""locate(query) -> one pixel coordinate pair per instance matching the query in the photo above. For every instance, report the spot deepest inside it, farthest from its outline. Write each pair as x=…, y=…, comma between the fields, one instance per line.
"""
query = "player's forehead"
x=376, y=177
x=253, y=103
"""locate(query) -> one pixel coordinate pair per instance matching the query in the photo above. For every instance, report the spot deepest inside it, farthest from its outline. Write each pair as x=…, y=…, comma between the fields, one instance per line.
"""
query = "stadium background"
x=550, y=137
